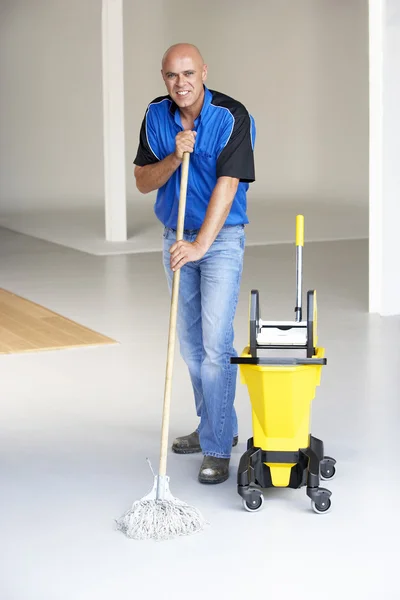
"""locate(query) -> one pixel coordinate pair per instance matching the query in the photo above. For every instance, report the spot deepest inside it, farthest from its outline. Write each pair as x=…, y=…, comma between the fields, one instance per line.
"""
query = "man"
x=219, y=134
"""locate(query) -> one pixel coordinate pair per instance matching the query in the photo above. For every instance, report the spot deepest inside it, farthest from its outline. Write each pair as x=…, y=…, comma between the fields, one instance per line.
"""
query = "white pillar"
x=114, y=120
x=384, y=169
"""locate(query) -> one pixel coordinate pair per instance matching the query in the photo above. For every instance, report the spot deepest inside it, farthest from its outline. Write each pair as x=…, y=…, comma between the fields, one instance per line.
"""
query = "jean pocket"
x=166, y=232
x=231, y=234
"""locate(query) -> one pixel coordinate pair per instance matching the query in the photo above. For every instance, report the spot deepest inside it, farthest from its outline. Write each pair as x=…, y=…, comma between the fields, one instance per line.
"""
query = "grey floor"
x=77, y=426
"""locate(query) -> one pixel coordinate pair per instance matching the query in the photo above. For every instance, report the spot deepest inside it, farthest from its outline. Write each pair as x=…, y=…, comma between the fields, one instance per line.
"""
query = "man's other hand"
x=183, y=252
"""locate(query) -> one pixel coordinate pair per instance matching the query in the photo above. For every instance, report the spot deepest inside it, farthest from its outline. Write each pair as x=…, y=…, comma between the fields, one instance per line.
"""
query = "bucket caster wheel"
x=322, y=507
x=327, y=468
x=320, y=499
x=254, y=503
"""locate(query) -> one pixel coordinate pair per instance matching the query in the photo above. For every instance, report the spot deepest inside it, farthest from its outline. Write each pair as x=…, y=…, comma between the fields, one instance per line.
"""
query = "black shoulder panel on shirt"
x=236, y=108
x=159, y=99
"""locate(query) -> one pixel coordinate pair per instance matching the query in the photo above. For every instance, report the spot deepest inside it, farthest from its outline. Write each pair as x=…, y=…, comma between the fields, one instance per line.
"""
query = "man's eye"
x=171, y=75
x=188, y=73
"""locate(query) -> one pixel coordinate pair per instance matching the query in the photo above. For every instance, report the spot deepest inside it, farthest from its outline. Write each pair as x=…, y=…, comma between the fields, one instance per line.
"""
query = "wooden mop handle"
x=172, y=321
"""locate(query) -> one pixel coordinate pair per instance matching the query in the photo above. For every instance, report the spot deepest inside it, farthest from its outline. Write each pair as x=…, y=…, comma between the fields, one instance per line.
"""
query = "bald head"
x=182, y=50
x=184, y=73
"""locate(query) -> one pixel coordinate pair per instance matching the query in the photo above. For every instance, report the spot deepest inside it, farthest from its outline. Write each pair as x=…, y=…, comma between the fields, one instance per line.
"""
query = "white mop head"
x=160, y=519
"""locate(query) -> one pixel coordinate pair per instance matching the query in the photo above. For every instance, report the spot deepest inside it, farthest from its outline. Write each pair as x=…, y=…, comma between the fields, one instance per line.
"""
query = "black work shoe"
x=189, y=444
x=214, y=470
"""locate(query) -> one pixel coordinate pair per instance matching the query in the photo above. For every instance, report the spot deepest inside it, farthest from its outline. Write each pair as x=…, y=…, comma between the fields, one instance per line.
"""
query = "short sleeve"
x=236, y=158
x=147, y=149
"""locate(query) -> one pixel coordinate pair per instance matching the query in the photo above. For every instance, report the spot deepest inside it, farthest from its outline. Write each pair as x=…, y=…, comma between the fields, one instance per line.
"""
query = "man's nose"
x=181, y=79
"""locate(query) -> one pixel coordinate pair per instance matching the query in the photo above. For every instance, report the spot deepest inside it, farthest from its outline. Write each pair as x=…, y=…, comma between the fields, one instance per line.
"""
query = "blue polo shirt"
x=224, y=146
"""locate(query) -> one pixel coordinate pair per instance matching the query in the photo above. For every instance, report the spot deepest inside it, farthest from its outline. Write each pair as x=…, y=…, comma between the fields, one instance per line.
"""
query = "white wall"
x=144, y=45
x=390, y=161
x=384, y=251
x=50, y=103
x=300, y=67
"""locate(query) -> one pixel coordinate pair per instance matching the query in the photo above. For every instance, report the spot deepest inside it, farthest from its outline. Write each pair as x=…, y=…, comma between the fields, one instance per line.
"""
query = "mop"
x=159, y=515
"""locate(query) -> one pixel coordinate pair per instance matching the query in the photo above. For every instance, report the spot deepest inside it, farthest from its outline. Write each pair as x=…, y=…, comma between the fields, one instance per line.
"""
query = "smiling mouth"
x=183, y=93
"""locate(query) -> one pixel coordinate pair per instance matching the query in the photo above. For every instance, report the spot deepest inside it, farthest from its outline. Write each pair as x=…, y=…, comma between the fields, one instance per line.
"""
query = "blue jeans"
x=208, y=296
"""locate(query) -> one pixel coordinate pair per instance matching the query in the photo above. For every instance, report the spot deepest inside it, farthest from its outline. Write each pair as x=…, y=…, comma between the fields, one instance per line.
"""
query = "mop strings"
x=160, y=520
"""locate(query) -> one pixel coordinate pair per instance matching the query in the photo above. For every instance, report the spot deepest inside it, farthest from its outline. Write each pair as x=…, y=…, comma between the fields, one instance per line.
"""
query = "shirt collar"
x=206, y=102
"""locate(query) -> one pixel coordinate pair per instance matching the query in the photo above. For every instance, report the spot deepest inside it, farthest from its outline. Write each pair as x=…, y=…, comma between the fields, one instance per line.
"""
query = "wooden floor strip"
x=28, y=327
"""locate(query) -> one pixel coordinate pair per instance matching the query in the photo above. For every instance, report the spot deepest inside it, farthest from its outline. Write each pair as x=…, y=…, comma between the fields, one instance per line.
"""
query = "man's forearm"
x=217, y=211
x=152, y=177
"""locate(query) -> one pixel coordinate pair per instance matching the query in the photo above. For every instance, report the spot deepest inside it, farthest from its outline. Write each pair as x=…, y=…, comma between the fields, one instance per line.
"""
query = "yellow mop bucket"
x=282, y=452
x=281, y=399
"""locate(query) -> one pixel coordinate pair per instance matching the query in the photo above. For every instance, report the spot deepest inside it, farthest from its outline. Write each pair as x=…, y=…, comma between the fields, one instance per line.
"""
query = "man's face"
x=184, y=75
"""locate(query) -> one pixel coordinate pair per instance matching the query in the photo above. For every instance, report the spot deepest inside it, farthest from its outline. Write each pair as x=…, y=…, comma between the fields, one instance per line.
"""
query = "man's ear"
x=204, y=73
